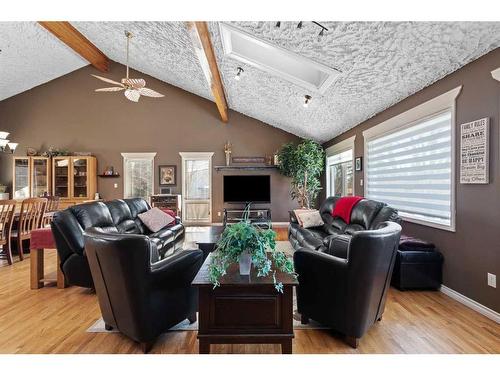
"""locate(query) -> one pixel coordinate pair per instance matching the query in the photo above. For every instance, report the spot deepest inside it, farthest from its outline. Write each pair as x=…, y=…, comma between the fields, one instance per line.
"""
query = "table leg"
x=286, y=346
x=36, y=268
x=61, y=280
x=204, y=346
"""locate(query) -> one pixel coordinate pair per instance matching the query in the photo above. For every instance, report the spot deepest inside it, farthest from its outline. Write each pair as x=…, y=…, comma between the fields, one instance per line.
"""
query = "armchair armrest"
x=178, y=269
x=317, y=269
x=178, y=220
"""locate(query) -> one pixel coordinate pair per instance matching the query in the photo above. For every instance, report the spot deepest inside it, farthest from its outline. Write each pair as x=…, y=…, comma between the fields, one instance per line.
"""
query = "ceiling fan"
x=134, y=87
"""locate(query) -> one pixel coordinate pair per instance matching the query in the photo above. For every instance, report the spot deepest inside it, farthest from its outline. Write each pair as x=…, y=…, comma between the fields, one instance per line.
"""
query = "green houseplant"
x=246, y=242
x=304, y=164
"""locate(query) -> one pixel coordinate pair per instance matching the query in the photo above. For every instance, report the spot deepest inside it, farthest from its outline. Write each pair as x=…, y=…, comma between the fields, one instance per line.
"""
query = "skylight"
x=275, y=60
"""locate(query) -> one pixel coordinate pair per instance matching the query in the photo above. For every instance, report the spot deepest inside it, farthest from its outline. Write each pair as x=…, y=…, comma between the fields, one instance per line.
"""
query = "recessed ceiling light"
x=307, y=100
x=238, y=74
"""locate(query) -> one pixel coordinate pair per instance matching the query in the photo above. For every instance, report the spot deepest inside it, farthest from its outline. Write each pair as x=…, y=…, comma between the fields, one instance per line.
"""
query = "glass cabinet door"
x=80, y=171
x=39, y=177
x=21, y=178
x=61, y=177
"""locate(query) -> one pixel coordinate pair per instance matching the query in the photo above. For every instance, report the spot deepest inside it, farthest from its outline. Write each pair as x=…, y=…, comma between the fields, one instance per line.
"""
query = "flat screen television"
x=245, y=189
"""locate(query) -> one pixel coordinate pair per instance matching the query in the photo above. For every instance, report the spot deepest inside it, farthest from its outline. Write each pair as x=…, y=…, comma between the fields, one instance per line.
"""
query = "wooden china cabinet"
x=31, y=177
x=74, y=179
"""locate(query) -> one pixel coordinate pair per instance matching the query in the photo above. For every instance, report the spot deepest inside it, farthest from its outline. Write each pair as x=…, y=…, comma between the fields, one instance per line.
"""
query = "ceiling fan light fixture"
x=239, y=72
x=307, y=100
x=4, y=135
x=133, y=87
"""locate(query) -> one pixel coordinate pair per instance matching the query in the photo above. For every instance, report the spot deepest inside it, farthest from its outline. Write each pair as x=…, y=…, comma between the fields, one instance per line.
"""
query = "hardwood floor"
x=51, y=320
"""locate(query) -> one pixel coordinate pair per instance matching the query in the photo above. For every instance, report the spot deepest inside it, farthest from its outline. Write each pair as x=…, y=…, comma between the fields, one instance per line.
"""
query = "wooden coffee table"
x=244, y=309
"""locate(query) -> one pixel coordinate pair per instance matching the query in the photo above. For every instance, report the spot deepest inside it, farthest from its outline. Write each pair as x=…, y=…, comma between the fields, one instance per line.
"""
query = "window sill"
x=449, y=228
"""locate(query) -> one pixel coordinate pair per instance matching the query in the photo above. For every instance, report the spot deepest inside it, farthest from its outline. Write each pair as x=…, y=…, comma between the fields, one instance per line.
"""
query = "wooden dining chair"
x=52, y=207
x=30, y=218
x=7, y=208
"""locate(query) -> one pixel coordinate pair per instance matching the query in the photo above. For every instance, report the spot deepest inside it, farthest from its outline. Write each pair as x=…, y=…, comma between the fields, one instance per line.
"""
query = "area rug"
x=286, y=247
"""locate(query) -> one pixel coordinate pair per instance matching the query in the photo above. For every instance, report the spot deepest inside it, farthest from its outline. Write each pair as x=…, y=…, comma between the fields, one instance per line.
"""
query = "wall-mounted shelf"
x=244, y=167
x=108, y=175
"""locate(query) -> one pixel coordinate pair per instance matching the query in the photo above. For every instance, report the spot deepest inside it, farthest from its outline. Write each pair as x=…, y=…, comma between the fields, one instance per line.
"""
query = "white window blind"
x=410, y=169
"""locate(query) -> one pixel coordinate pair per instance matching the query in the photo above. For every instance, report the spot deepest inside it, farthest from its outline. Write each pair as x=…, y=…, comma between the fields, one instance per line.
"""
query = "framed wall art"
x=167, y=175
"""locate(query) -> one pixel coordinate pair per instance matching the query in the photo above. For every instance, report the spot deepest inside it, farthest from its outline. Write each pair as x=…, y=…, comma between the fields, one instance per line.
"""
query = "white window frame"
x=185, y=156
x=149, y=156
x=443, y=102
x=337, y=148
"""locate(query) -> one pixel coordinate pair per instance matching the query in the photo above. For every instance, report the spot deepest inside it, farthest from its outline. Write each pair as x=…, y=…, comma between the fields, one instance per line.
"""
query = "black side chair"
x=140, y=299
x=348, y=295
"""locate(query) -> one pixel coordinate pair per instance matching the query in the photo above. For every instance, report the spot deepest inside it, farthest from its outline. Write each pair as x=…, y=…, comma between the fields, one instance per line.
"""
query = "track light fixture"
x=239, y=71
x=307, y=100
x=323, y=28
x=299, y=26
x=278, y=24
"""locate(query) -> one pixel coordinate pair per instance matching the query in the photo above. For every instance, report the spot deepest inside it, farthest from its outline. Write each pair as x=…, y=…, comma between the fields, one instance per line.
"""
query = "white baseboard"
x=476, y=306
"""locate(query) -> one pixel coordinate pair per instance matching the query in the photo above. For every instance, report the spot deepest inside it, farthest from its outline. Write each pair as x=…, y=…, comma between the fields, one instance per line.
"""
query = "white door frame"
x=197, y=156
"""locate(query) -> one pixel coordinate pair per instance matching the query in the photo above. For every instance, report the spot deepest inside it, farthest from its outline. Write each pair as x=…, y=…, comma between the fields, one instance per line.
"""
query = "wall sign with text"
x=474, y=152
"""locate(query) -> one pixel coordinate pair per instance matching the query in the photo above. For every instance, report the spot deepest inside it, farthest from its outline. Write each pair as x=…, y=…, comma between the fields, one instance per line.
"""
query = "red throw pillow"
x=168, y=211
x=344, y=207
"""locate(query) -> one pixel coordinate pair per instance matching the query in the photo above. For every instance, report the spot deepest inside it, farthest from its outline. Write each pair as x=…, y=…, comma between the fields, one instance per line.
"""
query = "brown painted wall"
x=66, y=113
x=474, y=249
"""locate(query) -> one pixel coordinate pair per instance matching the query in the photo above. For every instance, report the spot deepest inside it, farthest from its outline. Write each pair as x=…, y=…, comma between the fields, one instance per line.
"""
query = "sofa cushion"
x=138, y=206
x=95, y=214
x=155, y=219
x=364, y=212
x=386, y=213
x=122, y=217
x=337, y=245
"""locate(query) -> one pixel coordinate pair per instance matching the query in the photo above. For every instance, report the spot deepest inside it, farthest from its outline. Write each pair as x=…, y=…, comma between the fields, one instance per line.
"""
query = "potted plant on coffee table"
x=248, y=244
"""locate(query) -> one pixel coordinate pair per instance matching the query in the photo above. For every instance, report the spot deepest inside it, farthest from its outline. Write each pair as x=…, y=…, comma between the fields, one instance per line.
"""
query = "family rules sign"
x=474, y=152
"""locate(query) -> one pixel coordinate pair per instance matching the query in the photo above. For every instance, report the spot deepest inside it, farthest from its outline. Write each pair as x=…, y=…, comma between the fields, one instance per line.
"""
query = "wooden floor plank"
x=51, y=320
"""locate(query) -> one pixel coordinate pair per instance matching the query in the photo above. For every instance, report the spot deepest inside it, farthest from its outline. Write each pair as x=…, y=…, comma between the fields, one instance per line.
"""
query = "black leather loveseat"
x=116, y=216
x=334, y=236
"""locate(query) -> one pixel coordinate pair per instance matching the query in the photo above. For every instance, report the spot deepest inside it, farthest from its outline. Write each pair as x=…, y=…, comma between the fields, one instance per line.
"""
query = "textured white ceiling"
x=381, y=64
x=31, y=56
x=160, y=49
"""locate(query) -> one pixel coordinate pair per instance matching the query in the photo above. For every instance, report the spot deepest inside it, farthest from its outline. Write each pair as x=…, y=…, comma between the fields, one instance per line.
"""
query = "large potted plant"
x=248, y=244
x=304, y=164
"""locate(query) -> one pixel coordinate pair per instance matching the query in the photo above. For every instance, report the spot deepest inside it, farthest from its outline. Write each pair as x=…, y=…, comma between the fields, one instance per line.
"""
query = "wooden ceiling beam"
x=204, y=50
x=78, y=43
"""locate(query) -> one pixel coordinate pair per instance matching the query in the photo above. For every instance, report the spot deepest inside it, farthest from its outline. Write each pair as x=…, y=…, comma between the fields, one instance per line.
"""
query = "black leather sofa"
x=141, y=298
x=116, y=216
x=334, y=236
x=348, y=294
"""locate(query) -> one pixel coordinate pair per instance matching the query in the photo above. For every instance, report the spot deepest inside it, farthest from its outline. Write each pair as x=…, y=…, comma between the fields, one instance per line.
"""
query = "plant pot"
x=245, y=263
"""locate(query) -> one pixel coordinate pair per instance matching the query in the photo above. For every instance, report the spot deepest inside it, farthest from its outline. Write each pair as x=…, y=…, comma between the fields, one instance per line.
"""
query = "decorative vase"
x=245, y=263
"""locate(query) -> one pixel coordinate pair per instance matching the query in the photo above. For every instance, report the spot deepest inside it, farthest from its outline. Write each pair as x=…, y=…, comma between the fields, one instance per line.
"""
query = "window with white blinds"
x=410, y=169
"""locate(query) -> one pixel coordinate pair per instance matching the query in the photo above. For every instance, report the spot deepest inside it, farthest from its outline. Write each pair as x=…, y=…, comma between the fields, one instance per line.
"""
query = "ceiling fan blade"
x=106, y=80
x=152, y=93
x=109, y=89
x=132, y=95
x=136, y=83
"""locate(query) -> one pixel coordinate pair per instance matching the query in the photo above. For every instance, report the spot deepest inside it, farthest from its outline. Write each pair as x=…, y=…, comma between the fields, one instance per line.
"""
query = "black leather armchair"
x=141, y=299
x=348, y=295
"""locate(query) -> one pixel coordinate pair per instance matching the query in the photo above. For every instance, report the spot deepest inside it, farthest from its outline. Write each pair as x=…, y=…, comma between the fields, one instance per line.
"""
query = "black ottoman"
x=421, y=269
